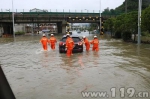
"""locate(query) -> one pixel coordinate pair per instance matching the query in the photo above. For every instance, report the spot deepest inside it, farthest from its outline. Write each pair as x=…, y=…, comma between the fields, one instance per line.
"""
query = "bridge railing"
x=56, y=11
x=50, y=10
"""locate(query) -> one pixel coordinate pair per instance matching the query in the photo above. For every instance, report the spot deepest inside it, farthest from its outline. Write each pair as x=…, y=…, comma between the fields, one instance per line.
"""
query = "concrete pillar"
x=64, y=29
x=38, y=28
x=24, y=26
x=98, y=24
x=1, y=30
x=32, y=28
x=61, y=26
x=7, y=28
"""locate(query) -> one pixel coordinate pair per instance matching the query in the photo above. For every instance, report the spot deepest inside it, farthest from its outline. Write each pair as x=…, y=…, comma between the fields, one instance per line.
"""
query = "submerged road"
x=119, y=68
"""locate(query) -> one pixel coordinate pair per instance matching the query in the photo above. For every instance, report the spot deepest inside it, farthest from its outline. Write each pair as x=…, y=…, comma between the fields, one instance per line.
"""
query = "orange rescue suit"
x=44, y=42
x=69, y=46
x=52, y=42
x=95, y=43
x=87, y=44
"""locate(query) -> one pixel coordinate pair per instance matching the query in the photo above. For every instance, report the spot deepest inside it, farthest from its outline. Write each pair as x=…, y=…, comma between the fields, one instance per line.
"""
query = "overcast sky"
x=73, y=5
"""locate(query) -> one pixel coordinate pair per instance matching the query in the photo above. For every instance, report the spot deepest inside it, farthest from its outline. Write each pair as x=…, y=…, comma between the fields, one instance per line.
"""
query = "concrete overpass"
x=61, y=18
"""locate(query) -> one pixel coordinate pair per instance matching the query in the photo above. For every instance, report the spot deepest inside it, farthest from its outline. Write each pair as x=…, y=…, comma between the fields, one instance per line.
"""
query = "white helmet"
x=52, y=34
x=95, y=36
x=44, y=35
x=83, y=36
x=68, y=34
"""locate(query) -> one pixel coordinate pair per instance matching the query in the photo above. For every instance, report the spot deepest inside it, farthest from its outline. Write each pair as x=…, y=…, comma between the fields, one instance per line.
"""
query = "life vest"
x=44, y=40
x=95, y=41
x=52, y=40
x=86, y=41
x=69, y=43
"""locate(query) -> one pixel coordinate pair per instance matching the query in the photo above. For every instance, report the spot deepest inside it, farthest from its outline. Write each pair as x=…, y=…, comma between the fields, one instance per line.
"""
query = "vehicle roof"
x=71, y=36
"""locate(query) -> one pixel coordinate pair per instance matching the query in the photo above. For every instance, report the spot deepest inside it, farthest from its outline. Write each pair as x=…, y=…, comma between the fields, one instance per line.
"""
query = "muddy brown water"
x=37, y=74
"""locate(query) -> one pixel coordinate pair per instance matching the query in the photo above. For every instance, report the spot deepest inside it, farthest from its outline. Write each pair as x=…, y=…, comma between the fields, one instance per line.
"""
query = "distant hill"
x=132, y=5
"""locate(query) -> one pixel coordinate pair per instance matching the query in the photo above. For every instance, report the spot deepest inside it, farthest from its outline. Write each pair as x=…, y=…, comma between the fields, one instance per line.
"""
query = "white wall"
x=19, y=27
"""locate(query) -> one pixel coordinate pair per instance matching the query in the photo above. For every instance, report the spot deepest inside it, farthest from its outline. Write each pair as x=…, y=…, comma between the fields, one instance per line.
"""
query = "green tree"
x=109, y=24
x=112, y=11
x=127, y=23
x=124, y=23
x=132, y=5
x=119, y=23
x=132, y=23
x=146, y=19
x=106, y=11
x=93, y=26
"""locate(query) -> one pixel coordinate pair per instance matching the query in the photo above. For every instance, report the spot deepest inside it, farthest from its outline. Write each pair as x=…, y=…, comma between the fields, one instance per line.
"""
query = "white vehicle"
x=78, y=31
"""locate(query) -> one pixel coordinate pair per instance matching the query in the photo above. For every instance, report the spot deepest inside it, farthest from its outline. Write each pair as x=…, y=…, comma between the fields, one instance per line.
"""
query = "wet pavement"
x=37, y=74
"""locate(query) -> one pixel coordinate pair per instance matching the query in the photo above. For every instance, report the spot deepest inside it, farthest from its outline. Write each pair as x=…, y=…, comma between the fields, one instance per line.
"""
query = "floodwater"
x=37, y=74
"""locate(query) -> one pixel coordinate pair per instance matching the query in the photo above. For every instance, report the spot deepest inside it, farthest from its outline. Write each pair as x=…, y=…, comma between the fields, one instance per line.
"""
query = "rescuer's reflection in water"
x=44, y=59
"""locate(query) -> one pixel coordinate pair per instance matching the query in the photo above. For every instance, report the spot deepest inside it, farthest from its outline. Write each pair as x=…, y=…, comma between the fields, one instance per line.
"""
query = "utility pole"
x=139, y=22
x=13, y=21
x=126, y=5
x=100, y=21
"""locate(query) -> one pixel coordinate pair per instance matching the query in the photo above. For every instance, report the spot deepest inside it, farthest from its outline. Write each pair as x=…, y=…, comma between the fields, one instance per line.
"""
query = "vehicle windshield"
x=64, y=39
x=75, y=39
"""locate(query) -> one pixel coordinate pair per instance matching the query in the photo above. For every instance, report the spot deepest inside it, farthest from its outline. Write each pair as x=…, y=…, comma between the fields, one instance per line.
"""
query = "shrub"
x=19, y=33
x=117, y=34
x=126, y=35
x=146, y=33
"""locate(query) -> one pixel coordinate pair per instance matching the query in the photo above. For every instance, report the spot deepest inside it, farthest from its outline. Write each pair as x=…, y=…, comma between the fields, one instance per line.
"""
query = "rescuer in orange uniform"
x=44, y=42
x=87, y=43
x=95, y=43
x=52, y=41
x=69, y=45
